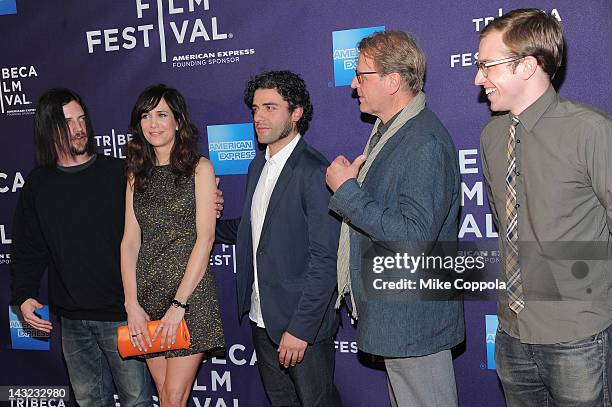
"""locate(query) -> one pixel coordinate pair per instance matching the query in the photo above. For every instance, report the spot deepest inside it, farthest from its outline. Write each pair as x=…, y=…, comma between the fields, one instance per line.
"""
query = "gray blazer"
x=411, y=193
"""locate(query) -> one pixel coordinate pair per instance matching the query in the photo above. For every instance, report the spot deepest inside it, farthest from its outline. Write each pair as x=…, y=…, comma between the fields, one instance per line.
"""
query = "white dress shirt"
x=259, y=206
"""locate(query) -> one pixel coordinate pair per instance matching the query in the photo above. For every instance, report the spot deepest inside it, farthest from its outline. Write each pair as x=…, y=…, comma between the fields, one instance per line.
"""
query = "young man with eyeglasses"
x=548, y=166
x=406, y=190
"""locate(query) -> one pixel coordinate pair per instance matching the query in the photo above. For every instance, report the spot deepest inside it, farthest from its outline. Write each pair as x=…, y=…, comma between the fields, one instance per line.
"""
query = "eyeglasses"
x=358, y=74
x=484, y=66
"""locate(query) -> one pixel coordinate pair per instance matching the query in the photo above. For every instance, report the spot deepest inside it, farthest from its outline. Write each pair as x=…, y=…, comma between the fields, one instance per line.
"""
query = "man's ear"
x=297, y=113
x=527, y=67
x=393, y=82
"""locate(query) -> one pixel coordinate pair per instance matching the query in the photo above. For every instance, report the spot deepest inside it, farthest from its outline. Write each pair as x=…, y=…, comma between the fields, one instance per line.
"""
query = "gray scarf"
x=344, y=276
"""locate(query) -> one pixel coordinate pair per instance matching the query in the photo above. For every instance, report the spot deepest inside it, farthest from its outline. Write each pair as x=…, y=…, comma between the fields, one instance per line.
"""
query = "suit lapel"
x=253, y=178
x=283, y=181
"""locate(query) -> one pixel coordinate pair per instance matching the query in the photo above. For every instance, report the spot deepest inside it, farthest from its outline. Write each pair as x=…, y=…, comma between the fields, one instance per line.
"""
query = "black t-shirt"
x=70, y=219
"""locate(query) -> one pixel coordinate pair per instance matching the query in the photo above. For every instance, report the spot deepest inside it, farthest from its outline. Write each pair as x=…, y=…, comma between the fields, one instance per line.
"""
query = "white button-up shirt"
x=259, y=206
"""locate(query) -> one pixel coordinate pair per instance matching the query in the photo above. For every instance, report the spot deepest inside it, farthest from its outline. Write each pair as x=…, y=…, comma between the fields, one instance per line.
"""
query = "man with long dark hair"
x=69, y=220
x=286, y=249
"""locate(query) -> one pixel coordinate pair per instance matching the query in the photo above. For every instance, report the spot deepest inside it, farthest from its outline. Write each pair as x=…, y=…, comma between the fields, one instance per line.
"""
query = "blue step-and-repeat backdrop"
x=109, y=50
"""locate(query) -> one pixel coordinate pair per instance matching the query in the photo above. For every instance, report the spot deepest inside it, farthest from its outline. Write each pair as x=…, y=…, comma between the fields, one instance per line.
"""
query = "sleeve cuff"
x=343, y=200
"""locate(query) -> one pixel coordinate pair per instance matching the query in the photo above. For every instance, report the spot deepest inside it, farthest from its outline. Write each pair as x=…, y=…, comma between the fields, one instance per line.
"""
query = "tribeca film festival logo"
x=472, y=224
x=23, y=336
x=467, y=59
x=13, y=98
x=214, y=384
x=346, y=53
x=491, y=322
x=187, y=31
x=5, y=257
x=113, y=144
x=231, y=147
x=4, y=239
x=224, y=255
x=8, y=7
x=10, y=182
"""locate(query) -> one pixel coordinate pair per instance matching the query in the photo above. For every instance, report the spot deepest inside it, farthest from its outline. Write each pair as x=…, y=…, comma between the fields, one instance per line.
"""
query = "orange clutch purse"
x=124, y=344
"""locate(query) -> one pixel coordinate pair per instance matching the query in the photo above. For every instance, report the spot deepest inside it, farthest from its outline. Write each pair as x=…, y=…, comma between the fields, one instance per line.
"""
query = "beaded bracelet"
x=176, y=303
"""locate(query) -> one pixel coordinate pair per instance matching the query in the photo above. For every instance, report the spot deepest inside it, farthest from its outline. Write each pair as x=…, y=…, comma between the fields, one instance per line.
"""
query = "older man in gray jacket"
x=405, y=188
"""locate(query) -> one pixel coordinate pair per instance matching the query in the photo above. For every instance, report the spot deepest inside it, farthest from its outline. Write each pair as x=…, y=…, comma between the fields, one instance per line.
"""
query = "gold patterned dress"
x=166, y=214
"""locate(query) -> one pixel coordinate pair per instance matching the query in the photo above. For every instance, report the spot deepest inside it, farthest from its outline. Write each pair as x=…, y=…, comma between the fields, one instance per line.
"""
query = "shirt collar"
x=283, y=155
x=530, y=116
x=79, y=167
x=382, y=128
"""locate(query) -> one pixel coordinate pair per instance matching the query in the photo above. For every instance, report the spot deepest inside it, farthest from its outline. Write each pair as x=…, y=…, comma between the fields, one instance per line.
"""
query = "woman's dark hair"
x=51, y=131
x=290, y=86
x=184, y=155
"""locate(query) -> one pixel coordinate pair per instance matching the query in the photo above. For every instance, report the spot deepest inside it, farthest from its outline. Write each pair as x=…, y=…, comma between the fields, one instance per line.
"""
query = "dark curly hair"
x=290, y=86
x=184, y=155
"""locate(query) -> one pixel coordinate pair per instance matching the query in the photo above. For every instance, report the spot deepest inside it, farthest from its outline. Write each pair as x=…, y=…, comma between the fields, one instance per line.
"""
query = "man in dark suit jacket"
x=286, y=249
x=406, y=190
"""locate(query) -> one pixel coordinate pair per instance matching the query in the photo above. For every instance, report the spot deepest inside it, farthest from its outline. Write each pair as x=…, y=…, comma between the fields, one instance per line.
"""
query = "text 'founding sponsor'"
x=210, y=58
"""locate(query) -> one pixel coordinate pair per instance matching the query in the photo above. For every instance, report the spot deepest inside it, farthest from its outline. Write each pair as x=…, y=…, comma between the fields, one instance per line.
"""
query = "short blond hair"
x=396, y=51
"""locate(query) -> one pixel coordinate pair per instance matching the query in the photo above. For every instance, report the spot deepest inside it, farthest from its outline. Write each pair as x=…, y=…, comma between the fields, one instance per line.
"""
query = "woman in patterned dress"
x=169, y=232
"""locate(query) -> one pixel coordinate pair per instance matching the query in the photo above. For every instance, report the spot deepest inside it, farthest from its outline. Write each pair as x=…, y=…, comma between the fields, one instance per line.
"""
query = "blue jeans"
x=310, y=383
x=90, y=350
x=568, y=374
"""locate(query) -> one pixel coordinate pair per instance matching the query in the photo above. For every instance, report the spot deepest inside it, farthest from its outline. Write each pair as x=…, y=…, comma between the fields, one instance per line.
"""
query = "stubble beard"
x=74, y=148
x=77, y=151
x=287, y=130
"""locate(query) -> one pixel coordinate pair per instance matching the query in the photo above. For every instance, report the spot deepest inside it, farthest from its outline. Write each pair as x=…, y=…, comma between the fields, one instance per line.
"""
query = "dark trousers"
x=308, y=384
